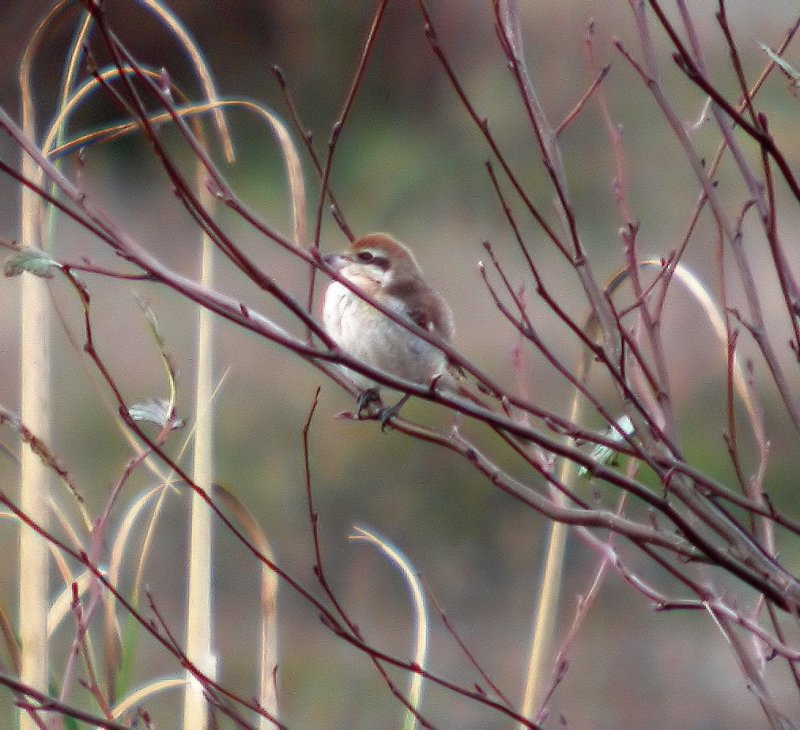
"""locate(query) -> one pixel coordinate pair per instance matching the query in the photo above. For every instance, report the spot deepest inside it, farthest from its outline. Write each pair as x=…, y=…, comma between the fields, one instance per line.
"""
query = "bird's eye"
x=364, y=256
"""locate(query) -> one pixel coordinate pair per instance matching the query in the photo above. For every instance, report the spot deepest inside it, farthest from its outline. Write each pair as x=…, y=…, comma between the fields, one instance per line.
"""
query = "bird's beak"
x=335, y=260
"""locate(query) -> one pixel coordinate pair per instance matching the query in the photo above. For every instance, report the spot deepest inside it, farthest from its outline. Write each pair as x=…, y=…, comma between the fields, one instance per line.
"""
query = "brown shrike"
x=387, y=272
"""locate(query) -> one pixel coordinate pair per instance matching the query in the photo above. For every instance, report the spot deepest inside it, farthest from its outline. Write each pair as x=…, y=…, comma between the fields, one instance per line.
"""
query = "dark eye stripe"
x=367, y=257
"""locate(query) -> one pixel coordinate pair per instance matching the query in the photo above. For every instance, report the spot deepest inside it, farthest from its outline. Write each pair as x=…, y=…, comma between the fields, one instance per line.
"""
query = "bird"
x=387, y=272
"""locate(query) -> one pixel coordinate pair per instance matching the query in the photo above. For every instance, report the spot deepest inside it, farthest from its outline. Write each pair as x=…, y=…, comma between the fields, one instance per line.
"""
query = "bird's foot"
x=369, y=404
x=387, y=414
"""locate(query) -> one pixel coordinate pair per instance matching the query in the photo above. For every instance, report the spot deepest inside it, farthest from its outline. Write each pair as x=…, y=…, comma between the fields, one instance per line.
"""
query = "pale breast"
x=333, y=309
x=367, y=334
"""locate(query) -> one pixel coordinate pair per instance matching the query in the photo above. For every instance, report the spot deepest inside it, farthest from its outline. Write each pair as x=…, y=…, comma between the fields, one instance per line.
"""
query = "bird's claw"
x=387, y=414
x=370, y=406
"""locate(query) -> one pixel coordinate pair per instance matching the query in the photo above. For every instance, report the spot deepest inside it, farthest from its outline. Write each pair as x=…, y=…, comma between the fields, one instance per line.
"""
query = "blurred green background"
x=410, y=162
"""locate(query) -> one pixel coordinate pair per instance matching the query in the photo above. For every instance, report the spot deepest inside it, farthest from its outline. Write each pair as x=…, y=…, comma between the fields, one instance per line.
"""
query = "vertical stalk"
x=198, y=597
x=545, y=623
x=34, y=584
x=34, y=566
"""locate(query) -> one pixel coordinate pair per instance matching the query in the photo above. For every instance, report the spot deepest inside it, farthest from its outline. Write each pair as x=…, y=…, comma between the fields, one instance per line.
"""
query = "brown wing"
x=424, y=306
x=421, y=319
x=431, y=312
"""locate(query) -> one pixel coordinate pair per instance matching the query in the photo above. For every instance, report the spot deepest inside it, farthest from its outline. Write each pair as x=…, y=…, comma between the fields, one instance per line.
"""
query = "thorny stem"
x=366, y=53
x=507, y=17
x=319, y=569
x=308, y=142
x=46, y=703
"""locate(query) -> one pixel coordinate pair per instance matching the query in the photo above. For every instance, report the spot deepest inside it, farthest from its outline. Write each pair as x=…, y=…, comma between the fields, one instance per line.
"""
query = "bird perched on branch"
x=387, y=272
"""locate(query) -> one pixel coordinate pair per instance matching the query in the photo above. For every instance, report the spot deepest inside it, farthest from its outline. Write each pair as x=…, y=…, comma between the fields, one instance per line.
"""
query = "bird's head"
x=375, y=261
